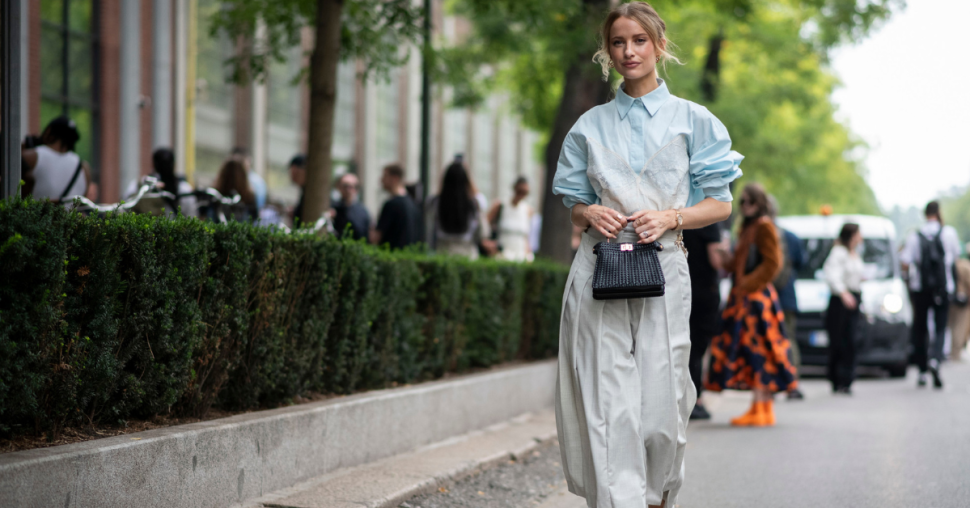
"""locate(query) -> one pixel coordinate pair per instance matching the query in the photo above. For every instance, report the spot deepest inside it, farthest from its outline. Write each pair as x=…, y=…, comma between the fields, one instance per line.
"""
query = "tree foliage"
x=373, y=31
x=773, y=86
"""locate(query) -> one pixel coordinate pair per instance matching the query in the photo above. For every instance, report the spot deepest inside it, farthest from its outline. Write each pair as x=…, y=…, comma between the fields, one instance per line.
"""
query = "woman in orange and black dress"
x=752, y=353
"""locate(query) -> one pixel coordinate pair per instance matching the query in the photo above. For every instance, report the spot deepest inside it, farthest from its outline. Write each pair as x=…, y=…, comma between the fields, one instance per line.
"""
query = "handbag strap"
x=70, y=184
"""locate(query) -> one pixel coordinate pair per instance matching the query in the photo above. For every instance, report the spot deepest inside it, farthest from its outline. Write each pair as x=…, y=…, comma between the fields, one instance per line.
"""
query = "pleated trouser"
x=624, y=393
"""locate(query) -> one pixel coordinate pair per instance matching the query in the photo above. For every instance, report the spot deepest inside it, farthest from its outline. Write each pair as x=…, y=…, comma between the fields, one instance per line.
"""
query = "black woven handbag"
x=627, y=270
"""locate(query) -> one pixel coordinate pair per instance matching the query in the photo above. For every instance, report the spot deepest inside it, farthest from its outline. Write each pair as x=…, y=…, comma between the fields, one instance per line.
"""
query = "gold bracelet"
x=680, y=220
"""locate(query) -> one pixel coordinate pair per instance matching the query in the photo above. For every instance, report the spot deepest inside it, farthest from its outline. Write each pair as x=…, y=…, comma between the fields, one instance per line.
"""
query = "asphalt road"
x=888, y=445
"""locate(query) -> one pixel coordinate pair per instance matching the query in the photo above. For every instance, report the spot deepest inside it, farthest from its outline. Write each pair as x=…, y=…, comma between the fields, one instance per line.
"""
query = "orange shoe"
x=769, y=410
x=758, y=417
x=745, y=419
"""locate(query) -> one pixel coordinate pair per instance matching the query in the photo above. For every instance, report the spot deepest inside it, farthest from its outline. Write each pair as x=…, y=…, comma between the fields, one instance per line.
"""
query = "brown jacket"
x=963, y=276
x=764, y=236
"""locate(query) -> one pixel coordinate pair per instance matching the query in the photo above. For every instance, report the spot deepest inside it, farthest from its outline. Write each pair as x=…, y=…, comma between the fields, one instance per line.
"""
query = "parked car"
x=883, y=335
x=887, y=316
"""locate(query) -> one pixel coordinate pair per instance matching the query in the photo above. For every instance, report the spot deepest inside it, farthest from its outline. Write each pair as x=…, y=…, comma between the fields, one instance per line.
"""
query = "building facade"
x=140, y=74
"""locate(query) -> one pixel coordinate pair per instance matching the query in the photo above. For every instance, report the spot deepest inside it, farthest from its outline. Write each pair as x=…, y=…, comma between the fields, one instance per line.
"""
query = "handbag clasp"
x=624, y=247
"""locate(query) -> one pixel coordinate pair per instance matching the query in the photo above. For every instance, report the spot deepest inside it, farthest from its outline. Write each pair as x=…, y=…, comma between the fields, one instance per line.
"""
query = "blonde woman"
x=637, y=169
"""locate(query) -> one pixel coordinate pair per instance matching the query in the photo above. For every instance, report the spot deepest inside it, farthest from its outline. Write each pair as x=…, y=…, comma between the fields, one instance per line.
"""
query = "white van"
x=887, y=316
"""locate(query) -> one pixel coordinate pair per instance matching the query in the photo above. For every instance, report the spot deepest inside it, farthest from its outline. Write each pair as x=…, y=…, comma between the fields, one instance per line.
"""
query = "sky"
x=906, y=92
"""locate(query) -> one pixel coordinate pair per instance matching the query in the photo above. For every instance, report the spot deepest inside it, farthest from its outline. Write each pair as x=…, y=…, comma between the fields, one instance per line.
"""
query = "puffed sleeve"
x=713, y=165
x=571, y=181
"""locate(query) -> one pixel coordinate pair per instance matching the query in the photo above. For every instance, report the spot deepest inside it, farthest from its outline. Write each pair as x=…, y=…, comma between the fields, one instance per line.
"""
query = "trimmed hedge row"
x=103, y=319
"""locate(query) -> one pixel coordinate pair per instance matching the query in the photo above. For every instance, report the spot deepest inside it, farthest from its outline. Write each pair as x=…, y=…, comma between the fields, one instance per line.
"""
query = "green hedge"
x=104, y=319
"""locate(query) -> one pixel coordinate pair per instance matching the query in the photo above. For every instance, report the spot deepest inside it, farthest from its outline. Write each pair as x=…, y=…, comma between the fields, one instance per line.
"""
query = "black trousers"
x=705, y=322
x=841, y=324
x=922, y=350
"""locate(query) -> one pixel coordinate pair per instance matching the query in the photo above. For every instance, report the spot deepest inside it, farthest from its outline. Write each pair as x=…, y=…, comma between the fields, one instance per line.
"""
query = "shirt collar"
x=931, y=226
x=652, y=101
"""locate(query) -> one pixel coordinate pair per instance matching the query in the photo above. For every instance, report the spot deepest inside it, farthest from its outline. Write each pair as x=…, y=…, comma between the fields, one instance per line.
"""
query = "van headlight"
x=892, y=303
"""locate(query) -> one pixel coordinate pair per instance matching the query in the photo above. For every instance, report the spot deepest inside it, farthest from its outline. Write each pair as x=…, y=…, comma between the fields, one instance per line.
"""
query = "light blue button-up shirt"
x=637, y=129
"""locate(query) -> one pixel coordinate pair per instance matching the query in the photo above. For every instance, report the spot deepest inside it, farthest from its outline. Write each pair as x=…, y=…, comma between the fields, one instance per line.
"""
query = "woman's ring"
x=644, y=235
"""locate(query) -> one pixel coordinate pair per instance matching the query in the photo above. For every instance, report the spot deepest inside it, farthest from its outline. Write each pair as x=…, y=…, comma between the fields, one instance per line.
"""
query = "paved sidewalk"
x=562, y=498
x=387, y=483
x=890, y=444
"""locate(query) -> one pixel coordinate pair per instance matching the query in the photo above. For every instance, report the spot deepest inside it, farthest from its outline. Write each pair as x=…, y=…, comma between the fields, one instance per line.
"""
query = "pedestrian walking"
x=792, y=260
x=53, y=170
x=297, y=170
x=928, y=257
x=487, y=245
x=232, y=180
x=703, y=264
x=959, y=311
x=182, y=200
x=752, y=351
x=399, y=224
x=512, y=224
x=256, y=182
x=458, y=222
x=348, y=210
x=637, y=170
x=843, y=271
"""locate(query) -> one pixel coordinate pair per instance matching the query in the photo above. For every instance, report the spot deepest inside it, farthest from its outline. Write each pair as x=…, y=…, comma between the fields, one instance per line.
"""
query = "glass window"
x=212, y=72
x=284, y=114
x=344, y=116
x=387, y=119
x=456, y=134
x=876, y=253
x=214, y=129
x=67, y=61
x=483, y=162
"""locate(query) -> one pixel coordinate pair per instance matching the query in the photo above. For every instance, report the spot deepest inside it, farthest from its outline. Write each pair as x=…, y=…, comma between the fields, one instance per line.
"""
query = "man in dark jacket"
x=703, y=264
x=399, y=224
x=349, y=210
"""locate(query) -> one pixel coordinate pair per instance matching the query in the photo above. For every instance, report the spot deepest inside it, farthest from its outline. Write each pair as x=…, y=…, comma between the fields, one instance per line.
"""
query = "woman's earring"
x=658, y=59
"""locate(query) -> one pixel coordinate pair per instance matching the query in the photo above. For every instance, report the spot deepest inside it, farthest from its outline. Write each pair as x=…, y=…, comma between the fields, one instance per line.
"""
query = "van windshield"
x=876, y=254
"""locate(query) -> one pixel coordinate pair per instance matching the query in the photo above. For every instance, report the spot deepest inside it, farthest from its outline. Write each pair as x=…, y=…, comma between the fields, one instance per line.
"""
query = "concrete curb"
x=389, y=482
x=229, y=461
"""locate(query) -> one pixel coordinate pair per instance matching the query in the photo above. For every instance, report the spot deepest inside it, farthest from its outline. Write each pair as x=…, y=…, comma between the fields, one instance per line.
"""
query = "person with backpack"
x=928, y=257
x=843, y=271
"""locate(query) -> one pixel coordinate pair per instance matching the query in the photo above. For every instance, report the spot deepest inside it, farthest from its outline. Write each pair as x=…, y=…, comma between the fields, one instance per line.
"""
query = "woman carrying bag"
x=752, y=351
x=634, y=173
x=843, y=271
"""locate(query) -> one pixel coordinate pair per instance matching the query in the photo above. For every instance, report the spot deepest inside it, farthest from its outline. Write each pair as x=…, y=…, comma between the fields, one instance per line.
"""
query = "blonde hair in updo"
x=647, y=17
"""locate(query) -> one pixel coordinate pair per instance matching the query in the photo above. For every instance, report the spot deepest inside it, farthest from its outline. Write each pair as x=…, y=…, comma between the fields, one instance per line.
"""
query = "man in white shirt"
x=928, y=257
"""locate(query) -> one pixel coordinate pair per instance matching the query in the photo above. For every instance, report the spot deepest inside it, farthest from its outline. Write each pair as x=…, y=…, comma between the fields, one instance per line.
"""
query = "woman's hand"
x=607, y=221
x=848, y=300
x=651, y=224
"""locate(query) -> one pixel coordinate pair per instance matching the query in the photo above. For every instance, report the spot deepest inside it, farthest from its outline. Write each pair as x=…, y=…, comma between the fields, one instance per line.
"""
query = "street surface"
x=888, y=445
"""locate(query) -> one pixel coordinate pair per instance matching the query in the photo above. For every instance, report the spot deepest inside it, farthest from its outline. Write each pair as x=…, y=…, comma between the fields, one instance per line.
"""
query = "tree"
x=759, y=65
x=373, y=31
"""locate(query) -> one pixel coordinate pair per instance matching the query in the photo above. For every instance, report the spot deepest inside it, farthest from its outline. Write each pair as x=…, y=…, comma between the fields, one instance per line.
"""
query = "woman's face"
x=856, y=241
x=748, y=207
x=633, y=53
